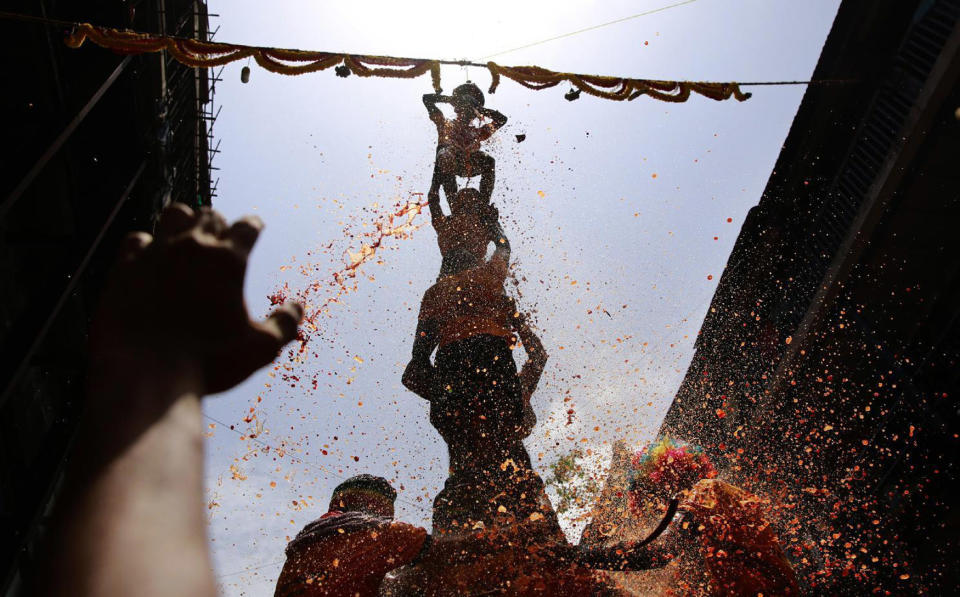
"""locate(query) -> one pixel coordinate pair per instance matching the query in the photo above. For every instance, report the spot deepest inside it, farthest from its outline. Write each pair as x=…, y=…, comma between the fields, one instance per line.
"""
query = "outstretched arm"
x=172, y=327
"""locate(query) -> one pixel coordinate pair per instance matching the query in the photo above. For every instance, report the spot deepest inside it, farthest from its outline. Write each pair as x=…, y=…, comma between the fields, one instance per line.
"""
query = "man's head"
x=666, y=467
x=364, y=493
x=467, y=98
x=467, y=199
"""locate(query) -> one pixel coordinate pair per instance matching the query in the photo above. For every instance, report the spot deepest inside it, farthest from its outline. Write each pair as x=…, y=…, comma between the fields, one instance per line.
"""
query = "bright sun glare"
x=458, y=30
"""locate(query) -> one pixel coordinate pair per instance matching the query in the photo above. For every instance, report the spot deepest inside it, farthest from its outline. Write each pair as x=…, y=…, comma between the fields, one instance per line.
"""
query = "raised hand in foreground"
x=172, y=327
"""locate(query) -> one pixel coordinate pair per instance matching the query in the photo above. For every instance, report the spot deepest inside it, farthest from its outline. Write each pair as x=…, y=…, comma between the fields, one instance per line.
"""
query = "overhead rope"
x=196, y=53
x=205, y=54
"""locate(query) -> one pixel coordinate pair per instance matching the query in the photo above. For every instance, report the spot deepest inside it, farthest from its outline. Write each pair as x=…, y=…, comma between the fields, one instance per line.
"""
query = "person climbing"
x=419, y=376
x=458, y=140
x=467, y=317
x=464, y=235
x=349, y=550
x=468, y=300
x=730, y=547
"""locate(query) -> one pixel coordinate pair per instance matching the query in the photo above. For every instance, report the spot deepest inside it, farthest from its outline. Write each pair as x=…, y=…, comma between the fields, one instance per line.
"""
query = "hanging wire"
x=221, y=576
x=594, y=27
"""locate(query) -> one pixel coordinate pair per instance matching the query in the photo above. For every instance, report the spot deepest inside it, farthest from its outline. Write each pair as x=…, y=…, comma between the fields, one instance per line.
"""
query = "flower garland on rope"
x=615, y=88
x=205, y=54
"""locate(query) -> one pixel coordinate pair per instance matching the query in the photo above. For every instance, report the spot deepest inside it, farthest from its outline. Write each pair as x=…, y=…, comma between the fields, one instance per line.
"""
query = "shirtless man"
x=464, y=235
x=458, y=140
x=471, y=322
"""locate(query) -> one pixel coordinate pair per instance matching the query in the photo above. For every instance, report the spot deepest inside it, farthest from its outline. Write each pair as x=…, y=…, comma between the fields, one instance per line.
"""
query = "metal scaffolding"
x=104, y=143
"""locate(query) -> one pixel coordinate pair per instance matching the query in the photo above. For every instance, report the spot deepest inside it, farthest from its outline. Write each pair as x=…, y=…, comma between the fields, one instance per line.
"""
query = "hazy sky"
x=621, y=217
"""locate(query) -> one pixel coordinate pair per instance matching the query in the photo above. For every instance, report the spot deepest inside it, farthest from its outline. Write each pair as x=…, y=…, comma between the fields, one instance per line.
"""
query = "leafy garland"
x=205, y=54
x=574, y=485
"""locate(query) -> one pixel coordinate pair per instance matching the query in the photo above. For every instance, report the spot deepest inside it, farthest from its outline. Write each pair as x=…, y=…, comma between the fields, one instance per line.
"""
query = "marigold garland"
x=202, y=54
x=614, y=88
x=205, y=54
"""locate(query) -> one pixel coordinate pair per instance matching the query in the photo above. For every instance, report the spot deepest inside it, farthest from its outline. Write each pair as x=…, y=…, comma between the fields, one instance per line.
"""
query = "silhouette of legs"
x=452, y=162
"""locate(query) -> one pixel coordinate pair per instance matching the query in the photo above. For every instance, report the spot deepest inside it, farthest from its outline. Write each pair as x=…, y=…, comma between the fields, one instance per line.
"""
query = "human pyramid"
x=479, y=402
x=494, y=528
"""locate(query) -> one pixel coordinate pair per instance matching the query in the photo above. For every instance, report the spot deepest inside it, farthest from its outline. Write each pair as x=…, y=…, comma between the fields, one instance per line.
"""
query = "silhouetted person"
x=349, y=550
x=458, y=140
x=464, y=235
x=467, y=318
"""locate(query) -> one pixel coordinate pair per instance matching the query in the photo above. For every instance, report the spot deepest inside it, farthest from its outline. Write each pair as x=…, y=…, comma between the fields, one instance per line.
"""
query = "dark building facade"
x=97, y=143
x=829, y=353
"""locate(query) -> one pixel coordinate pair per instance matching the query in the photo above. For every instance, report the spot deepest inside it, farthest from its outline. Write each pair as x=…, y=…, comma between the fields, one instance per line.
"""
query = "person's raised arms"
x=501, y=244
x=536, y=355
x=437, y=217
x=172, y=327
x=497, y=118
x=430, y=100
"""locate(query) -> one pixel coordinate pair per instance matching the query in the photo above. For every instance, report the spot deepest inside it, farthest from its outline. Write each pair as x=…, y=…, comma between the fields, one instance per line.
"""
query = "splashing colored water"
x=319, y=295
